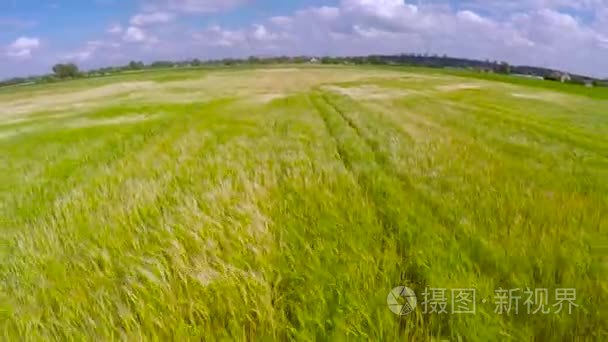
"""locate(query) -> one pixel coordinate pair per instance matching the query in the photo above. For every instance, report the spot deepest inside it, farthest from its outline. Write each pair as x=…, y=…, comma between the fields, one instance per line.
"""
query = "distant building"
x=528, y=76
x=589, y=83
x=558, y=76
x=314, y=60
x=484, y=69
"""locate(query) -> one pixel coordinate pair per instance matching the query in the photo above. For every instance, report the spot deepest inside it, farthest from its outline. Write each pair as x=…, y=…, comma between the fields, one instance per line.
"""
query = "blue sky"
x=570, y=35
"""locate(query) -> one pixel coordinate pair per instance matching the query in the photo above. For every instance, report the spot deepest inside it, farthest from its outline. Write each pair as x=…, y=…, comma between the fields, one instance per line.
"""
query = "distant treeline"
x=71, y=71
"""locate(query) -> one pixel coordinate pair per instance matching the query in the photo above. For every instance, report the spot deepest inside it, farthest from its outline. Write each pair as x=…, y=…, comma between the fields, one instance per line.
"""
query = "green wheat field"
x=286, y=203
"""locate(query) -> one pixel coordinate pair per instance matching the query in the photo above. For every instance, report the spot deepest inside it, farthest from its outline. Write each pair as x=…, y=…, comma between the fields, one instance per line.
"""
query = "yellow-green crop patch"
x=286, y=204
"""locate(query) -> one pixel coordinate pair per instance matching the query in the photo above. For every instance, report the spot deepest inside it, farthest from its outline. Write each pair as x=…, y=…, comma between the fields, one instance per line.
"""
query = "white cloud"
x=471, y=16
x=194, y=6
x=501, y=6
x=23, y=47
x=281, y=20
x=79, y=56
x=89, y=51
x=115, y=29
x=602, y=41
x=134, y=35
x=262, y=34
x=380, y=8
x=324, y=12
x=217, y=36
x=254, y=39
x=144, y=19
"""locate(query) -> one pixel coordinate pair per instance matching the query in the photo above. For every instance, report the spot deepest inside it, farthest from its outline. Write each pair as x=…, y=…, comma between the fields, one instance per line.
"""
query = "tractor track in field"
x=390, y=169
x=380, y=158
x=380, y=186
x=348, y=162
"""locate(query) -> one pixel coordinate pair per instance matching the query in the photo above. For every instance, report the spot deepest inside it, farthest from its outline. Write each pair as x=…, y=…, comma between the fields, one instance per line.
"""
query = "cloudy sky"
x=566, y=34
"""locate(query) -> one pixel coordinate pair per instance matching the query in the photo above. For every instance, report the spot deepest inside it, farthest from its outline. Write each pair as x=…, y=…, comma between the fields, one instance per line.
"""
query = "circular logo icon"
x=401, y=300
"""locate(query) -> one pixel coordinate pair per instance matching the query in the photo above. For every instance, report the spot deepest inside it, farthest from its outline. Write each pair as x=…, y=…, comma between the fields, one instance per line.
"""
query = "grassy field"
x=280, y=204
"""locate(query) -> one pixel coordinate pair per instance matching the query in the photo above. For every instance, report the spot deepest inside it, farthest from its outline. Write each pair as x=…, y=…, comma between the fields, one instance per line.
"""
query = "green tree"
x=69, y=70
x=503, y=68
x=162, y=64
x=133, y=65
